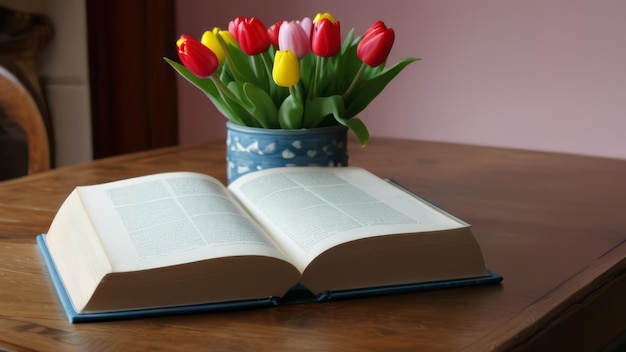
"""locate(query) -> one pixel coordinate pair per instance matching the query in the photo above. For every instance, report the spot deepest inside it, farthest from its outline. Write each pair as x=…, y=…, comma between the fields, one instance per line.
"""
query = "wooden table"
x=553, y=225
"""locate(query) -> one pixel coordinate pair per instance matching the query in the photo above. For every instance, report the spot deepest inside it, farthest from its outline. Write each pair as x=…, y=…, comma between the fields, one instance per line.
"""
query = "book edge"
x=74, y=317
x=426, y=201
x=491, y=278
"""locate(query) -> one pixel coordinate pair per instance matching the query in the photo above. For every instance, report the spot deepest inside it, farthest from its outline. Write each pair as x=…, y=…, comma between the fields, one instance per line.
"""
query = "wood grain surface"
x=552, y=225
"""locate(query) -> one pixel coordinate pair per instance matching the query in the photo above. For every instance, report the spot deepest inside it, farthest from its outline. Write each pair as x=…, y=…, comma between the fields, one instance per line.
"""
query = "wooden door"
x=133, y=90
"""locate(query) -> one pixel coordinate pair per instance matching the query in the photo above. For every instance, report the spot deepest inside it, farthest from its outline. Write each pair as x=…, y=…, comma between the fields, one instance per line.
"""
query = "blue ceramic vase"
x=251, y=149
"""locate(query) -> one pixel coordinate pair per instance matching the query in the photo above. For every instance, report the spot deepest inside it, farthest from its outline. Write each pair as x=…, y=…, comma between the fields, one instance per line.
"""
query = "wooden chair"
x=18, y=107
x=27, y=147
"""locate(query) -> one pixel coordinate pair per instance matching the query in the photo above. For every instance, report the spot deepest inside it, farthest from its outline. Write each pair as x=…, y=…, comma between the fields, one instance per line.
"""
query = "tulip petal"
x=198, y=58
x=326, y=38
x=293, y=37
x=286, y=71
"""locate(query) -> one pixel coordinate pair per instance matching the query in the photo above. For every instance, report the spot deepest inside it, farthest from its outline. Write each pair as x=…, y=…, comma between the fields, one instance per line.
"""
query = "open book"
x=183, y=239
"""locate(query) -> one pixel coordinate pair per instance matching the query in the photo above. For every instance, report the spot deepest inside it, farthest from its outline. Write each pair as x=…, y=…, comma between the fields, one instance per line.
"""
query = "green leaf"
x=367, y=89
x=317, y=109
x=260, y=105
x=357, y=127
x=207, y=86
x=290, y=113
x=307, y=71
x=241, y=61
x=239, y=106
x=204, y=84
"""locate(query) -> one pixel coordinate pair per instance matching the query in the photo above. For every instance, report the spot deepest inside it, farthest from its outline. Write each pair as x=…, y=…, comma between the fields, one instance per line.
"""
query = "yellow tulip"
x=286, y=71
x=228, y=38
x=209, y=39
x=325, y=15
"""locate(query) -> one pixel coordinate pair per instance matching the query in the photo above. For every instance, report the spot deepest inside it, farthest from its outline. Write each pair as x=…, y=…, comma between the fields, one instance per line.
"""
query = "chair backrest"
x=17, y=106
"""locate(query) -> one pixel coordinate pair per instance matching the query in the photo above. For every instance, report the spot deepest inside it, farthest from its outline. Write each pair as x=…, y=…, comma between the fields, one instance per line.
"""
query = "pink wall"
x=538, y=74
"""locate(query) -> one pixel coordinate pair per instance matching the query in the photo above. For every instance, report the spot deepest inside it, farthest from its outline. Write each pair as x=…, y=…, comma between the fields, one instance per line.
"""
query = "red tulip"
x=325, y=38
x=251, y=34
x=376, y=44
x=197, y=57
x=273, y=31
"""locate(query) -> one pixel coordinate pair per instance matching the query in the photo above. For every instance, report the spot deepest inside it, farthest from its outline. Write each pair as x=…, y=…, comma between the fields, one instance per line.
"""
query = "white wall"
x=532, y=74
x=63, y=66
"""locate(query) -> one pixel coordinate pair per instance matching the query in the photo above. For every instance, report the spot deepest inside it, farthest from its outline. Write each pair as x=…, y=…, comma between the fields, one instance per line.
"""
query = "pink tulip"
x=293, y=37
x=307, y=25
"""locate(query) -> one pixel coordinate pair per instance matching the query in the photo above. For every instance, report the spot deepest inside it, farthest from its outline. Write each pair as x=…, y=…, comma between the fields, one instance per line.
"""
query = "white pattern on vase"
x=252, y=149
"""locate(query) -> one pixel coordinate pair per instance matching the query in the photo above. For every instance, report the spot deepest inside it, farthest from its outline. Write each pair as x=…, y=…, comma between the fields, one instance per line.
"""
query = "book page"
x=171, y=218
x=312, y=209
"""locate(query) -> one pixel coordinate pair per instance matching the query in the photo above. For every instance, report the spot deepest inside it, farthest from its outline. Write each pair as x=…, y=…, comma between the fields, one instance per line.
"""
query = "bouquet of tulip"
x=291, y=75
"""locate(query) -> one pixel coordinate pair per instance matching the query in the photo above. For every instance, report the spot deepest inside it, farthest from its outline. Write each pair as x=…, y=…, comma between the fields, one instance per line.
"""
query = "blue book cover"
x=298, y=294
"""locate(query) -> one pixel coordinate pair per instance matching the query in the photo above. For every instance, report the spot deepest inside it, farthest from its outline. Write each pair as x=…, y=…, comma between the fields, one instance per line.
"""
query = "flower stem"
x=229, y=59
x=224, y=90
x=318, y=68
x=267, y=61
x=295, y=92
x=355, y=80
